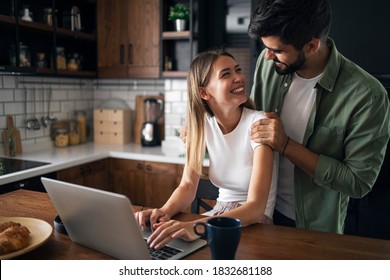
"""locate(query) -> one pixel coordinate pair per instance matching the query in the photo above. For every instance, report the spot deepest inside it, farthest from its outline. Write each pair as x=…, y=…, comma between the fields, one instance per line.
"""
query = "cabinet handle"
x=122, y=54
x=139, y=166
x=148, y=167
x=130, y=54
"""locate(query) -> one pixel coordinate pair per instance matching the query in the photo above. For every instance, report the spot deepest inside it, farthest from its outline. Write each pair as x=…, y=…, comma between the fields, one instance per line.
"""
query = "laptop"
x=104, y=221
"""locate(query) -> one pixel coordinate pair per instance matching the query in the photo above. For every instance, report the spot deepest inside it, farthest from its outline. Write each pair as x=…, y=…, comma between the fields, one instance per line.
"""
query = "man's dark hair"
x=295, y=22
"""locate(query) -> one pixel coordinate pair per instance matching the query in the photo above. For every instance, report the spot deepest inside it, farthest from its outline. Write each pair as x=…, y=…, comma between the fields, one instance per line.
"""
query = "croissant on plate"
x=13, y=237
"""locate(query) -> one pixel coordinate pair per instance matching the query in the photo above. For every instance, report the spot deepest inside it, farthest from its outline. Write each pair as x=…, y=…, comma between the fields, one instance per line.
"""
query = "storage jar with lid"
x=48, y=16
x=61, y=60
x=61, y=138
x=74, y=137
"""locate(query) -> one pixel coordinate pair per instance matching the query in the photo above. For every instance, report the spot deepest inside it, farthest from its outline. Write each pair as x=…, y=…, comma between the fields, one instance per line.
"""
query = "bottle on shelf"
x=48, y=16
x=61, y=59
x=26, y=15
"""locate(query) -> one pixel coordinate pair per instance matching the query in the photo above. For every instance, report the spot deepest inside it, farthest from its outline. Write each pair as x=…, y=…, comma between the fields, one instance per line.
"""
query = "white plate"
x=40, y=231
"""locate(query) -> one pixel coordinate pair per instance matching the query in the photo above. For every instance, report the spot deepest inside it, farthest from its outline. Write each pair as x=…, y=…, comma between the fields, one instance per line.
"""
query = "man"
x=329, y=119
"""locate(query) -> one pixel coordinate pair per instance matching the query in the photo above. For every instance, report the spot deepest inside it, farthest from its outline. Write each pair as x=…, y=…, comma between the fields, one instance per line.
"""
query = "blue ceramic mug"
x=223, y=235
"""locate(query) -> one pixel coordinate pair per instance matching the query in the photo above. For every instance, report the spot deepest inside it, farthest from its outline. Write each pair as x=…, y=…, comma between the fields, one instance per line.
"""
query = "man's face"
x=286, y=58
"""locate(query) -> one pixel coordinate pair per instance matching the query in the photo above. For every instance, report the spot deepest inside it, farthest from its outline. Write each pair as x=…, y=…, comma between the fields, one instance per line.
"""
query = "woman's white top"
x=231, y=159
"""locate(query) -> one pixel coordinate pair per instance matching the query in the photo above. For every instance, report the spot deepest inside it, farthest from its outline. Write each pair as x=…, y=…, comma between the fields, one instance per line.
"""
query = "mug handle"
x=202, y=224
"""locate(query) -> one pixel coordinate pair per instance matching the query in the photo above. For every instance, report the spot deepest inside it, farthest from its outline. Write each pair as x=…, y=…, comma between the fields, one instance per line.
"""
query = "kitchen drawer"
x=114, y=138
x=112, y=115
x=108, y=126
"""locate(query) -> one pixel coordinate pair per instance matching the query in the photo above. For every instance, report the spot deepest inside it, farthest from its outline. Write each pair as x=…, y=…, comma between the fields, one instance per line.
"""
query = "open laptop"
x=104, y=221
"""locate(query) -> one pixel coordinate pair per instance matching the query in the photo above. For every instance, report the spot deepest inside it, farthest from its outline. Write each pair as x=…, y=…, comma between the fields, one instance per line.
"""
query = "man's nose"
x=269, y=54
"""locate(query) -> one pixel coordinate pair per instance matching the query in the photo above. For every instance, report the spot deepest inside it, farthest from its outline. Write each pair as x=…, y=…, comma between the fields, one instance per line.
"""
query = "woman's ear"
x=203, y=93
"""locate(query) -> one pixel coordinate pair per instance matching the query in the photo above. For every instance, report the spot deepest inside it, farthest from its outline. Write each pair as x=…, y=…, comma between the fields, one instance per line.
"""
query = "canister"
x=61, y=138
x=74, y=136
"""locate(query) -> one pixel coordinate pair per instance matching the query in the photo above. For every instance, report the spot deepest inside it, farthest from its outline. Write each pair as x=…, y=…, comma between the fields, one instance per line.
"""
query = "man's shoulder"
x=360, y=79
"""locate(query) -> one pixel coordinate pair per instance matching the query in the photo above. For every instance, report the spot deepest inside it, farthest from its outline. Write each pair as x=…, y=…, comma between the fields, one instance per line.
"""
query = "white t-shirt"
x=231, y=159
x=302, y=95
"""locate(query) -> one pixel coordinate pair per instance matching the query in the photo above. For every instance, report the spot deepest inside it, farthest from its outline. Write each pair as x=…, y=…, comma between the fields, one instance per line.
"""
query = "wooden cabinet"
x=30, y=46
x=93, y=174
x=128, y=38
x=128, y=179
x=160, y=181
x=145, y=183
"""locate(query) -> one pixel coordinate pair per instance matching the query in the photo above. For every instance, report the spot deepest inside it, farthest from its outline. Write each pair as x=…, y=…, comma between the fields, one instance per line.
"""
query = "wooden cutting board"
x=11, y=135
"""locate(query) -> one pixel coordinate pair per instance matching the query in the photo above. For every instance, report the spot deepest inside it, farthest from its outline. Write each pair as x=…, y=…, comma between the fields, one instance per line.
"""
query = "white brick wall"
x=69, y=95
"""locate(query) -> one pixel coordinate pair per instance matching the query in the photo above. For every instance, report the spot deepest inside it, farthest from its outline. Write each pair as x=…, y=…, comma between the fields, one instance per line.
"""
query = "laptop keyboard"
x=162, y=254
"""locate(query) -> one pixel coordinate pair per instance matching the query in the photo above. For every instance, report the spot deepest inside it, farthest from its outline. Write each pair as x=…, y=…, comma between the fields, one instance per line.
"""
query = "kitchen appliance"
x=11, y=165
x=150, y=132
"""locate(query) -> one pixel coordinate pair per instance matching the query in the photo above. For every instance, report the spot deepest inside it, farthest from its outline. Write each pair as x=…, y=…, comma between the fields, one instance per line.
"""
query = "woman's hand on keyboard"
x=165, y=232
x=150, y=216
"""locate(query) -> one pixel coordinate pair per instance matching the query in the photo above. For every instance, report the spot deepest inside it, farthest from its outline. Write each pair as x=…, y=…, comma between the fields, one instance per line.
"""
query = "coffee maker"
x=150, y=131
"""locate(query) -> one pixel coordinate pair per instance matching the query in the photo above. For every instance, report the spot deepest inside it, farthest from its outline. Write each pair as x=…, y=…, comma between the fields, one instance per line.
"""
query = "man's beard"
x=290, y=68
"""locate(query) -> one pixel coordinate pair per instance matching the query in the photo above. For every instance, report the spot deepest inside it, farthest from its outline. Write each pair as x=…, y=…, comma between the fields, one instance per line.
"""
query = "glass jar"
x=48, y=16
x=61, y=139
x=72, y=65
x=41, y=60
x=82, y=125
x=24, y=56
x=74, y=137
x=61, y=60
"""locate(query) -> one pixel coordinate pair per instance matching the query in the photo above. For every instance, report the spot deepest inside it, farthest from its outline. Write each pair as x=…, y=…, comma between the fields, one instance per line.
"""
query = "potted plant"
x=180, y=14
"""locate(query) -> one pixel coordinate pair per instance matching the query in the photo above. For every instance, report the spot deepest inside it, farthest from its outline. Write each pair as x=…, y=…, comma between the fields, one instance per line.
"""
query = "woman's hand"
x=165, y=232
x=151, y=216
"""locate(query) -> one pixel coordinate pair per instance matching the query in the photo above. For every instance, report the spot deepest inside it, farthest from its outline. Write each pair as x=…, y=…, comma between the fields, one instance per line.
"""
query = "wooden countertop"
x=257, y=242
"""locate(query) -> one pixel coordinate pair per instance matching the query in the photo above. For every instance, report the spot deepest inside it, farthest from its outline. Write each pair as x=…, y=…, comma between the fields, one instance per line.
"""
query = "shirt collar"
x=332, y=68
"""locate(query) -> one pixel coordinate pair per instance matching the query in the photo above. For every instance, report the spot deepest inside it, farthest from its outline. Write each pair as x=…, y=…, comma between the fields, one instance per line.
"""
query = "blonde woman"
x=219, y=116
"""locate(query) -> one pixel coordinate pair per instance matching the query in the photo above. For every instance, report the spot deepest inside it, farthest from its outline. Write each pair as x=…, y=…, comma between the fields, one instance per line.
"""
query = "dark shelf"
x=177, y=35
x=40, y=37
x=7, y=19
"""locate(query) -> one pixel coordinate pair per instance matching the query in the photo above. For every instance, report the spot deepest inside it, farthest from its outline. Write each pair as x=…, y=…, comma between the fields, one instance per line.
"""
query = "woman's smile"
x=239, y=90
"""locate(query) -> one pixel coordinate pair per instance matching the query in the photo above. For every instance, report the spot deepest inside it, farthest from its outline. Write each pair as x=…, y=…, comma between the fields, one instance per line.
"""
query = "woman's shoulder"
x=254, y=114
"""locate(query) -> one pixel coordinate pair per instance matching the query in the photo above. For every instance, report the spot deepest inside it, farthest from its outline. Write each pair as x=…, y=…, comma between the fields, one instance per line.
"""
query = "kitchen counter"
x=61, y=158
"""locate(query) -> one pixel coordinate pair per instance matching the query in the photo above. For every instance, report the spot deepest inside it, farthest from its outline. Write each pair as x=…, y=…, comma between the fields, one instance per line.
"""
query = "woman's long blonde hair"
x=199, y=76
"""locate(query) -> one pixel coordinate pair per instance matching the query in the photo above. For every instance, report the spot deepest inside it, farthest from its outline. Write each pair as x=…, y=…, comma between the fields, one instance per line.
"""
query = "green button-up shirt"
x=348, y=127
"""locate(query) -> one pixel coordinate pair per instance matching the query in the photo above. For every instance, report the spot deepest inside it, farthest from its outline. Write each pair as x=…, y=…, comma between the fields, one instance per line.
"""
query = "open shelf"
x=41, y=39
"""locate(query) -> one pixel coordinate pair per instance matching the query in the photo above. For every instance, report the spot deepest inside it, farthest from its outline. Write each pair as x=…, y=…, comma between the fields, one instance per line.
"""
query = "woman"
x=219, y=116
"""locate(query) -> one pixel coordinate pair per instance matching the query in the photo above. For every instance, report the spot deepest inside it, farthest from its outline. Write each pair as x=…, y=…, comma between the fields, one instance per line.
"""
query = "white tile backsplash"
x=70, y=94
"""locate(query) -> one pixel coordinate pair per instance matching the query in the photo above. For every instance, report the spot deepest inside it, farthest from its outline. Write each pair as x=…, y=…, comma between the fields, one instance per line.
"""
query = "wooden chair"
x=206, y=191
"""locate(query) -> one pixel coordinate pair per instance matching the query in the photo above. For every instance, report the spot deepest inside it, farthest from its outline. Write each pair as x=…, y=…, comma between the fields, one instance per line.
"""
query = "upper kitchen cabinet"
x=48, y=37
x=128, y=38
